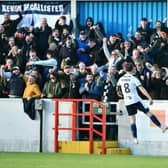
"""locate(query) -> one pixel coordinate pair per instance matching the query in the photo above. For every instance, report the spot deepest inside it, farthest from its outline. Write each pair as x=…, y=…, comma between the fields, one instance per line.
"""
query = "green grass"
x=51, y=160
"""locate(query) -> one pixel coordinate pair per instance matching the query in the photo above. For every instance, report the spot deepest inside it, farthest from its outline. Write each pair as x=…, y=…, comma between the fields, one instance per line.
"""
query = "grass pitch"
x=51, y=160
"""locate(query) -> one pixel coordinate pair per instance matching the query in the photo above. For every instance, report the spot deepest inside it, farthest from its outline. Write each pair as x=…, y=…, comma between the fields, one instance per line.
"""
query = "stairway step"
x=118, y=151
x=108, y=144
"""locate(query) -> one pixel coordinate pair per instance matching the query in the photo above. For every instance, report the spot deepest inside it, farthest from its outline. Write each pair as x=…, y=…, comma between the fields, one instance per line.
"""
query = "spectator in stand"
x=53, y=87
x=53, y=48
x=138, y=40
x=61, y=24
x=29, y=44
x=156, y=84
x=7, y=68
x=55, y=38
x=11, y=43
x=127, y=49
x=74, y=86
x=10, y=25
x=3, y=44
x=32, y=89
x=100, y=28
x=95, y=70
x=76, y=69
x=135, y=54
x=42, y=34
x=82, y=72
x=82, y=50
x=34, y=71
x=31, y=92
x=159, y=27
x=90, y=89
x=143, y=73
x=65, y=34
x=20, y=35
x=113, y=43
x=16, y=84
x=87, y=27
x=162, y=56
x=65, y=79
x=112, y=58
x=49, y=63
x=14, y=53
x=145, y=29
x=68, y=51
x=108, y=84
x=119, y=37
x=32, y=58
x=95, y=53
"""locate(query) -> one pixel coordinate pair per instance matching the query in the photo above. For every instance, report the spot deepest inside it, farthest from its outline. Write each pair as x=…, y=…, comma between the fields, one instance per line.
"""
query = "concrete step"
x=83, y=147
x=109, y=144
x=118, y=151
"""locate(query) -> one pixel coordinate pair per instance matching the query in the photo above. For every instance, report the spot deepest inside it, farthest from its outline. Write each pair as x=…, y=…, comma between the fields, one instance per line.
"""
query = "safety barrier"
x=74, y=115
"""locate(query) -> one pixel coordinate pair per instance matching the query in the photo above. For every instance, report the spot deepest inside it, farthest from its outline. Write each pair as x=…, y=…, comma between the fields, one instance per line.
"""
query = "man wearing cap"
x=82, y=50
x=16, y=84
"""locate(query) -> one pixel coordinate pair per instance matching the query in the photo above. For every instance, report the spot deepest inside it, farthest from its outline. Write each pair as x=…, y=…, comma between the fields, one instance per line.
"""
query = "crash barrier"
x=19, y=133
x=74, y=115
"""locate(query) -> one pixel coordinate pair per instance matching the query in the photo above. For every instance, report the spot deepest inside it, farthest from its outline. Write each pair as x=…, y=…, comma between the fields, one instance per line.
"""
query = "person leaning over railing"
x=31, y=92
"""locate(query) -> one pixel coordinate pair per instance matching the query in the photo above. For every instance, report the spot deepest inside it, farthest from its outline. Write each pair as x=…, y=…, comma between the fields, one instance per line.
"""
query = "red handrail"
x=74, y=114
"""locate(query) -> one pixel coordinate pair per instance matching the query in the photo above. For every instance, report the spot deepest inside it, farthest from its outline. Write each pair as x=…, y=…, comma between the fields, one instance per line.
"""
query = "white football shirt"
x=129, y=84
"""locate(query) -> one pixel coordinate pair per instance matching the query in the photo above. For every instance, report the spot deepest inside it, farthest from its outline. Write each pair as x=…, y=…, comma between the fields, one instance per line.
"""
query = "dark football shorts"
x=132, y=109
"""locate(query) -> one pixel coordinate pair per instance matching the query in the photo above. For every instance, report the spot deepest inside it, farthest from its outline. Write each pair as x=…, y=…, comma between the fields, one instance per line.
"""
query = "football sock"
x=134, y=130
x=155, y=120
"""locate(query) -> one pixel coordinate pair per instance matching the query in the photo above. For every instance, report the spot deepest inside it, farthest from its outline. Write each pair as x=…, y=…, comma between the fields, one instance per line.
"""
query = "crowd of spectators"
x=53, y=63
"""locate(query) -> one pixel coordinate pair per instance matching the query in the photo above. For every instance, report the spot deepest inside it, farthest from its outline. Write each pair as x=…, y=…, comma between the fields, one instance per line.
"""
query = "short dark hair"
x=144, y=19
x=63, y=17
x=128, y=67
x=49, y=52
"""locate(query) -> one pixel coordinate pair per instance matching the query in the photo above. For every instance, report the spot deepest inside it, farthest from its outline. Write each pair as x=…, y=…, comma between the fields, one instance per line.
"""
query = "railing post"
x=91, y=129
x=104, y=130
x=74, y=106
x=56, y=126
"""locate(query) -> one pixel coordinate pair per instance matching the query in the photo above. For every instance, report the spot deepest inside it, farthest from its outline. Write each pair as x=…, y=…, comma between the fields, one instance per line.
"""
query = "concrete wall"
x=17, y=131
x=48, y=124
x=151, y=139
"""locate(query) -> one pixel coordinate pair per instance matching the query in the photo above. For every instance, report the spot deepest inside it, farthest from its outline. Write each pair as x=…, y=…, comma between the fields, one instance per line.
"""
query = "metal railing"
x=74, y=115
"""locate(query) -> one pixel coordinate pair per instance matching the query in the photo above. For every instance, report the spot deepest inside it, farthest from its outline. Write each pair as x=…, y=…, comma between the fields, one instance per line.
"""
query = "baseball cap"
x=15, y=68
x=82, y=32
x=74, y=73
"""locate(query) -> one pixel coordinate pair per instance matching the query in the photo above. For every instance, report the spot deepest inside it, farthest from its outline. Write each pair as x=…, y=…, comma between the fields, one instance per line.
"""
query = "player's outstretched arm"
x=145, y=93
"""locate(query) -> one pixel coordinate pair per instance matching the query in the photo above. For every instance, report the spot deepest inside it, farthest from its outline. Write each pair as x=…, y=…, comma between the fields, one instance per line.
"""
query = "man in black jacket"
x=61, y=24
x=11, y=25
x=16, y=84
x=42, y=34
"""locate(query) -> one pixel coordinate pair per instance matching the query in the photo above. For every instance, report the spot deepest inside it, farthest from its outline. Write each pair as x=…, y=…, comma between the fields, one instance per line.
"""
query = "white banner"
x=33, y=12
